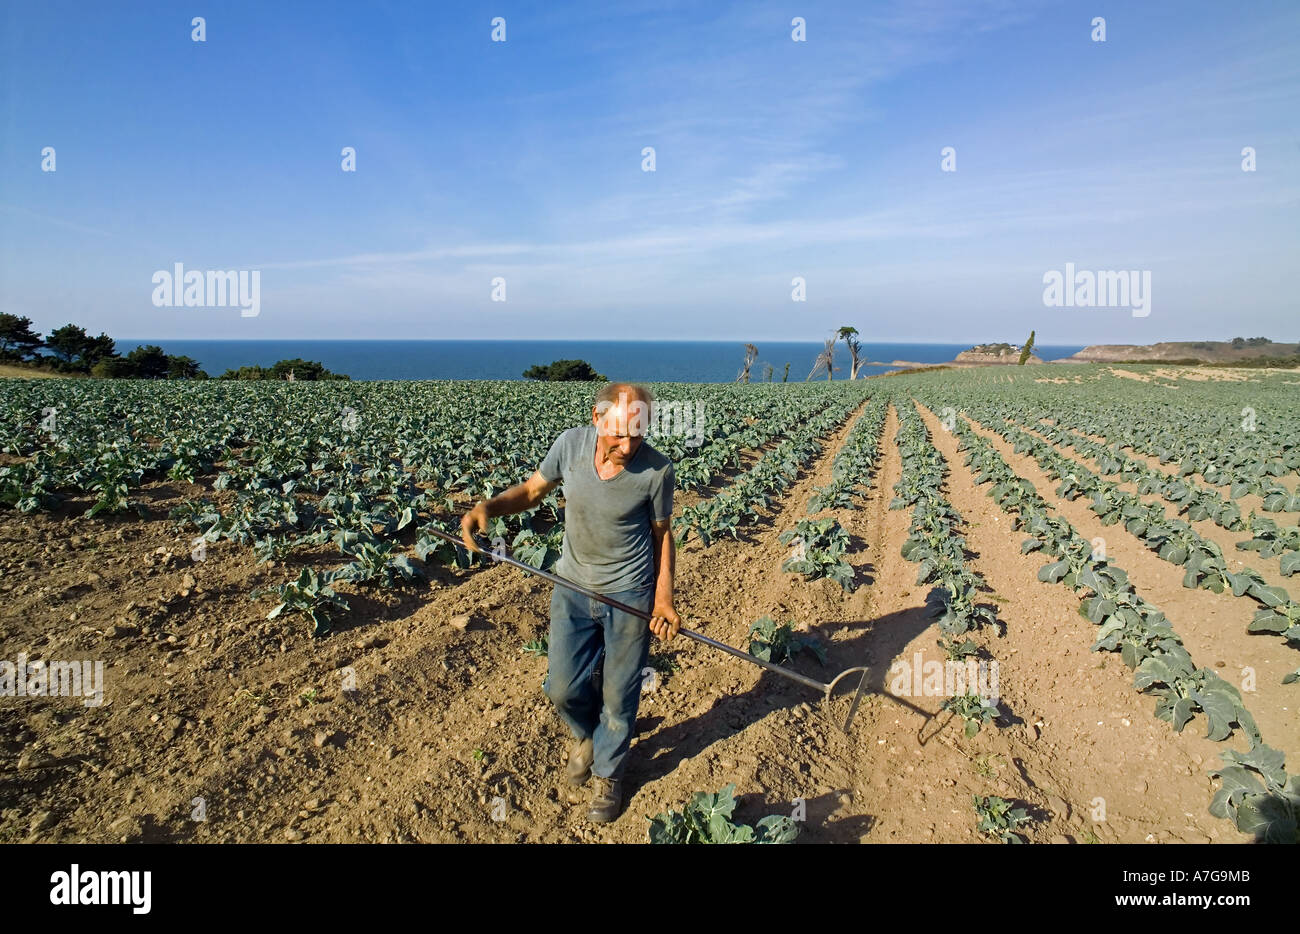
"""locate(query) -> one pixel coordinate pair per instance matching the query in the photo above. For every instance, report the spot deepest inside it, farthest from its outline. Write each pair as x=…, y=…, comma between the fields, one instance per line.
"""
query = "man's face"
x=620, y=427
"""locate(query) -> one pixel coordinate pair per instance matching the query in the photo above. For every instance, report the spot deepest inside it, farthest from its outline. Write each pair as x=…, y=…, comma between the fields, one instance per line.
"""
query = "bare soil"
x=420, y=718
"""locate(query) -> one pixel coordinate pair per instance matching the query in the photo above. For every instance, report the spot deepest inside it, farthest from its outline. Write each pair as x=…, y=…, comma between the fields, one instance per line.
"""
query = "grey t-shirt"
x=608, y=546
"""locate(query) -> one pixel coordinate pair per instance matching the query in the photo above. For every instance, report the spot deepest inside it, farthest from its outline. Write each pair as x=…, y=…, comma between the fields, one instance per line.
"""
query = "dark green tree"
x=67, y=342
x=96, y=349
x=150, y=362
x=246, y=372
x=309, y=370
x=114, y=368
x=564, y=371
x=17, y=339
x=181, y=367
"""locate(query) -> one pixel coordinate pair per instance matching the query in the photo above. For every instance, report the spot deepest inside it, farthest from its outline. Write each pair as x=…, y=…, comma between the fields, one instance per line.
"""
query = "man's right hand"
x=520, y=497
x=474, y=522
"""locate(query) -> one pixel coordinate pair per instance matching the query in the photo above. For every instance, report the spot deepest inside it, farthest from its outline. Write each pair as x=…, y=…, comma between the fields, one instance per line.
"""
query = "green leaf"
x=776, y=828
x=1219, y=711
x=1269, y=817
x=1266, y=760
x=1182, y=713
x=1235, y=784
x=1153, y=670
x=668, y=828
x=1051, y=573
x=1269, y=596
x=1268, y=621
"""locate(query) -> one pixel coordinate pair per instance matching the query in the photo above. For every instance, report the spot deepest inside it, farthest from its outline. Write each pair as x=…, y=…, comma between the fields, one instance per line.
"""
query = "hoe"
x=826, y=688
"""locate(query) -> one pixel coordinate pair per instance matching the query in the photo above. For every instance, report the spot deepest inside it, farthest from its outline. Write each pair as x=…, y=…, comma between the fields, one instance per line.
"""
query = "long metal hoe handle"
x=620, y=605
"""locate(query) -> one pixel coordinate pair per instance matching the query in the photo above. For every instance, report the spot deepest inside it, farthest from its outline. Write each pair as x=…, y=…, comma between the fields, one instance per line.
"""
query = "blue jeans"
x=595, y=657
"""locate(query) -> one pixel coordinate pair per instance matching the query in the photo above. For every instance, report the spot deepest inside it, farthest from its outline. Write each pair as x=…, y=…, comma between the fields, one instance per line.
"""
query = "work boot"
x=578, y=768
x=606, y=800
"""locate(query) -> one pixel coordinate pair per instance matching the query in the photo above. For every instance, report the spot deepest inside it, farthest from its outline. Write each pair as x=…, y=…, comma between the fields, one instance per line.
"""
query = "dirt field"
x=213, y=712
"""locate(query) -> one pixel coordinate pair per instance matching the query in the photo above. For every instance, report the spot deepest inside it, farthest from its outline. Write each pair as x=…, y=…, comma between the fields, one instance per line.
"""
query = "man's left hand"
x=666, y=622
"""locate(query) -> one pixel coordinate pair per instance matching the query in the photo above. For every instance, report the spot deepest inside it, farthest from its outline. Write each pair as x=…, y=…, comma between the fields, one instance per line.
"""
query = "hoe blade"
x=857, y=694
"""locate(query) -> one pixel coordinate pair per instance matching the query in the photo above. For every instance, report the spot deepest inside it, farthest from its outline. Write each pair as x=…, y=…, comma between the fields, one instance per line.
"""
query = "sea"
x=635, y=361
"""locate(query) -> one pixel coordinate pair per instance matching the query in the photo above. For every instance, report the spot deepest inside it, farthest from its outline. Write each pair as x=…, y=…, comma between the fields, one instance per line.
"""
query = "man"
x=618, y=494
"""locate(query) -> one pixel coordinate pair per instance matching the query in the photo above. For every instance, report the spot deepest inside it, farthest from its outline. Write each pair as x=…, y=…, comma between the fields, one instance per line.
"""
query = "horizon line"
x=588, y=340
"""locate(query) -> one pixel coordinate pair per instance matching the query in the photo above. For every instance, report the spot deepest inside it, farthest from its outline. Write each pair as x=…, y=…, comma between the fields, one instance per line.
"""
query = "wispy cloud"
x=55, y=221
x=1049, y=199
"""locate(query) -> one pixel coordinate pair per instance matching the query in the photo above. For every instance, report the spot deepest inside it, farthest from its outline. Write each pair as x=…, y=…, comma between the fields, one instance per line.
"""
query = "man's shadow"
x=874, y=645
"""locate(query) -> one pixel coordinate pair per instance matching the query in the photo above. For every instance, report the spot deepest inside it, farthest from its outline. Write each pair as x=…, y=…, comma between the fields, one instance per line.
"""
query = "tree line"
x=72, y=351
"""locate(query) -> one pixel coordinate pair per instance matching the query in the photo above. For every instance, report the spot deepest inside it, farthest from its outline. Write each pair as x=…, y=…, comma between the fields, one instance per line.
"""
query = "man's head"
x=621, y=414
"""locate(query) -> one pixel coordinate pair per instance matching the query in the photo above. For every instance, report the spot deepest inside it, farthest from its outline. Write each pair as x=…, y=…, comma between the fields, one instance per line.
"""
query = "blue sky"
x=775, y=159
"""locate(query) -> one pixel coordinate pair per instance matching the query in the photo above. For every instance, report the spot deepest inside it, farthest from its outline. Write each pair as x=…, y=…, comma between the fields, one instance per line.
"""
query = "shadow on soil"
x=873, y=644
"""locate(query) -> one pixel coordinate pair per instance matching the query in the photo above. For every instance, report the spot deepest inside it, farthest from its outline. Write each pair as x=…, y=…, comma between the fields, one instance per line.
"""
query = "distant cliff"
x=1171, y=351
x=985, y=354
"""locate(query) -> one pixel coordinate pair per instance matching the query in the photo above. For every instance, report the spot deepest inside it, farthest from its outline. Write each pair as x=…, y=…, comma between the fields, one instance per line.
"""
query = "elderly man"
x=618, y=494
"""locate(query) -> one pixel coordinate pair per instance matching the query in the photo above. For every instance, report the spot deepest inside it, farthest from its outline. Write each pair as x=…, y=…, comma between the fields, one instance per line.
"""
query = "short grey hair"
x=610, y=392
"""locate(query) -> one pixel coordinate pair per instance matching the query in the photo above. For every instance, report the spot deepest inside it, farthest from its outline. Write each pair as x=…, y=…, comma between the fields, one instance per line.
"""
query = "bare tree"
x=767, y=372
x=825, y=360
x=850, y=338
x=751, y=354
